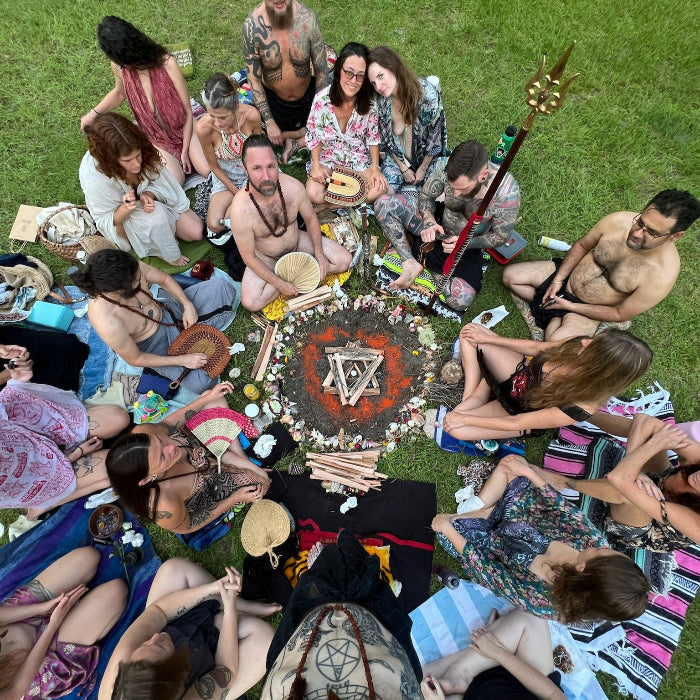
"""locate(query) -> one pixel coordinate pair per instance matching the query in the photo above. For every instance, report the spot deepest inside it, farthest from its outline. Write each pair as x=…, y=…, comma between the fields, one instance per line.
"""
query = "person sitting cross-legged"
x=195, y=638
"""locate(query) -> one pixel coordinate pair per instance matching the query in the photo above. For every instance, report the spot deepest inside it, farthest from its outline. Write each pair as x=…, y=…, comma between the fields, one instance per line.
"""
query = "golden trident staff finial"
x=546, y=101
x=543, y=98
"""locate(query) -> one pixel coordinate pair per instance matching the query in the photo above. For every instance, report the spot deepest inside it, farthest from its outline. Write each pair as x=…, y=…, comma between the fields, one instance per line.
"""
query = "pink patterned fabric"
x=36, y=420
x=349, y=149
x=162, y=123
x=66, y=666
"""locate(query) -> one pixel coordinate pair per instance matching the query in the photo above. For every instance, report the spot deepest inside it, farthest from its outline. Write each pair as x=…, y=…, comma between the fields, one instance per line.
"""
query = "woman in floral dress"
x=342, y=129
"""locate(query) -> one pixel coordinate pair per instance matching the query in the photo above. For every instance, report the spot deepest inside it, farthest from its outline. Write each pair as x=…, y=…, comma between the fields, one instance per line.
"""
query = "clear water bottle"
x=448, y=578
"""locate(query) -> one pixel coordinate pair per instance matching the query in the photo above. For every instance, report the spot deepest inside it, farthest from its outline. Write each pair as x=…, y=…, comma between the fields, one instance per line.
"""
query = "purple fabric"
x=66, y=666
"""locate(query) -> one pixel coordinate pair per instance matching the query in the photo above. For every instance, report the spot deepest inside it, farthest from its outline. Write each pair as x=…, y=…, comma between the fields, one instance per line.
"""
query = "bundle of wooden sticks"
x=358, y=470
x=308, y=300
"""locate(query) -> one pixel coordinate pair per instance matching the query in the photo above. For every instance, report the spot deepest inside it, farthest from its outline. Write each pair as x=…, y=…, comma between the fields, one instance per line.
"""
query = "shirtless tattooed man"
x=282, y=41
x=140, y=328
x=627, y=263
x=264, y=224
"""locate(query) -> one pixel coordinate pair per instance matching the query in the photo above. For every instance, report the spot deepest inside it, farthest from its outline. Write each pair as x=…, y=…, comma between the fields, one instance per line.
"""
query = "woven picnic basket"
x=89, y=243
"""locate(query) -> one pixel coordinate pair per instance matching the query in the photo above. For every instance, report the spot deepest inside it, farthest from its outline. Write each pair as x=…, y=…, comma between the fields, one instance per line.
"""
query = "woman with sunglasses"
x=342, y=129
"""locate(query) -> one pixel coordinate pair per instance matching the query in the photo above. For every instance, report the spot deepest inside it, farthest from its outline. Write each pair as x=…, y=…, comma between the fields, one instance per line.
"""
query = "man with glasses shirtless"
x=624, y=265
x=282, y=41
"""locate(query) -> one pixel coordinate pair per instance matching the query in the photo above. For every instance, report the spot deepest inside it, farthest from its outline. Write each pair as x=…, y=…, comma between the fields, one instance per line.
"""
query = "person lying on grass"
x=530, y=546
x=652, y=505
x=50, y=444
x=163, y=474
x=51, y=626
x=511, y=657
x=195, y=639
x=516, y=388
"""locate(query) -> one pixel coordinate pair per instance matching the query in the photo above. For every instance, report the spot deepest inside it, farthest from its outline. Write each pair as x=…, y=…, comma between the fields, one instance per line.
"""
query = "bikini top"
x=231, y=146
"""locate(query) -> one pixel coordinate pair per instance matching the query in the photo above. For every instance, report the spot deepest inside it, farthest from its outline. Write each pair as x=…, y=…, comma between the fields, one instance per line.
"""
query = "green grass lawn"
x=627, y=130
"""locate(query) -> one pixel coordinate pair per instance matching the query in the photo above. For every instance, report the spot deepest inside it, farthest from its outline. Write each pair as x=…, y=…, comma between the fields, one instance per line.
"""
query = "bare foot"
x=251, y=607
x=291, y=148
x=411, y=269
x=180, y=262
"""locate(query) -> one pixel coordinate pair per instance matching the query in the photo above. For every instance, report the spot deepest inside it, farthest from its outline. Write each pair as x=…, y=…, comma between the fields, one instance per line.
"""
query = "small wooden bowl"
x=105, y=521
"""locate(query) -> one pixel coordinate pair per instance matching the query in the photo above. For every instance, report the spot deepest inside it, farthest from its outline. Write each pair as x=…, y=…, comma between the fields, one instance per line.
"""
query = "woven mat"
x=194, y=250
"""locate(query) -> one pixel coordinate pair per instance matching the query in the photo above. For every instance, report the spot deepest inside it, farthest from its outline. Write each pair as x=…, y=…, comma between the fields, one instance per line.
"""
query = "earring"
x=154, y=477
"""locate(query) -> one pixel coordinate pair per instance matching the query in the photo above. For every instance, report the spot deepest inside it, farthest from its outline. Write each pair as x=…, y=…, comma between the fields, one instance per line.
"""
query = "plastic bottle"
x=553, y=244
x=448, y=578
x=504, y=145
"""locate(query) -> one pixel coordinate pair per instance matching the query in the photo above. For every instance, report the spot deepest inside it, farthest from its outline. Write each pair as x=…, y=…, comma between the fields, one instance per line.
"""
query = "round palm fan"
x=216, y=428
x=209, y=341
x=346, y=188
x=301, y=269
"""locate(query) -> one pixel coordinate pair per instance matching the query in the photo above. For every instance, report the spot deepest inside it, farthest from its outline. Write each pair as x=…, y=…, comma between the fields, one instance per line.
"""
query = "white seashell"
x=404, y=428
x=301, y=269
x=235, y=372
x=391, y=447
x=393, y=427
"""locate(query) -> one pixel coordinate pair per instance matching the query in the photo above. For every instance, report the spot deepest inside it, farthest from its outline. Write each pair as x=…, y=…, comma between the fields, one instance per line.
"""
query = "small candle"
x=252, y=410
x=252, y=392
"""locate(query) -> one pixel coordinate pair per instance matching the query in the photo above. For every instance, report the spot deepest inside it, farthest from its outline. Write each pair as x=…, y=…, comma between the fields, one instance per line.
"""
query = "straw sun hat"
x=265, y=527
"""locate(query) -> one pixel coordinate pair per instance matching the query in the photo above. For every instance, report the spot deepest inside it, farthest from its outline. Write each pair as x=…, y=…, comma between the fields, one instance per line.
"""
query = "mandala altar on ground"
x=388, y=395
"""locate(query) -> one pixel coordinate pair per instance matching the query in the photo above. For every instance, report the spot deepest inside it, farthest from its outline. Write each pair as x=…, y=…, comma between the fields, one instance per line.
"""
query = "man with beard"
x=282, y=41
x=623, y=266
x=448, y=198
x=264, y=224
x=140, y=328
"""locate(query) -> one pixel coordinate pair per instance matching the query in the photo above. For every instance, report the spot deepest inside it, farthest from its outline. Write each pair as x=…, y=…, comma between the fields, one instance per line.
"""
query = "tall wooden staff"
x=542, y=100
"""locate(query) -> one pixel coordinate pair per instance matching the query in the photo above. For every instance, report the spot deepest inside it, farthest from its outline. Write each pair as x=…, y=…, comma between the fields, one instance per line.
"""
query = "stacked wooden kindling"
x=308, y=300
x=259, y=368
x=352, y=373
x=358, y=470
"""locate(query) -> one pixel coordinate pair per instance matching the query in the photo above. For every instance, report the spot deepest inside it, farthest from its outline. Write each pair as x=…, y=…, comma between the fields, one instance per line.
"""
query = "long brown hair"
x=111, y=137
x=363, y=99
x=609, y=364
x=611, y=587
x=127, y=465
x=143, y=680
x=408, y=88
x=687, y=497
x=10, y=664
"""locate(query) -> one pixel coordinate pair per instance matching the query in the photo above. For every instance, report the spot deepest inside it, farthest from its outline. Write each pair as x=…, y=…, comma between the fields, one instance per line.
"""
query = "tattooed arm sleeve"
x=318, y=55
x=254, y=67
x=503, y=212
x=431, y=190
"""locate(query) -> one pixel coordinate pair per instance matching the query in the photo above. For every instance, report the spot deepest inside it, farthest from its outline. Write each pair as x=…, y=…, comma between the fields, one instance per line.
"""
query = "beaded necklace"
x=264, y=218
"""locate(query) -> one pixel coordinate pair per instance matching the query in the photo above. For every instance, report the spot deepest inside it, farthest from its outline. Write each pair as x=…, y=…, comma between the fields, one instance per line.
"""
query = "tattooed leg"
x=459, y=294
x=90, y=476
x=395, y=216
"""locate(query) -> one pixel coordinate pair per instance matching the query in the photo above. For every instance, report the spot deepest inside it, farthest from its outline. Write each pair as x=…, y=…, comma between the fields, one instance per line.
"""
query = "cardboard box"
x=51, y=315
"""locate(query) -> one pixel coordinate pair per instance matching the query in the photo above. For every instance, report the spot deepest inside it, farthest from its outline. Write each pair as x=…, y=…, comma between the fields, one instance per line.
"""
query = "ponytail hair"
x=106, y=270
x=220, y=92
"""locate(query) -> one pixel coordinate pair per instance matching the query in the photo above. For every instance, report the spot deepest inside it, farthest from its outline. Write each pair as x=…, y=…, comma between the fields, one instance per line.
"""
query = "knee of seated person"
x=509, y=274
x=116, y=592
x=89, y=558
x=459, y=294
x=381, y=203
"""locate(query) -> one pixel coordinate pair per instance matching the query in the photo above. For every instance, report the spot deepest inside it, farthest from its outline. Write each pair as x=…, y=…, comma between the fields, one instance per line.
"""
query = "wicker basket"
x=88, y=244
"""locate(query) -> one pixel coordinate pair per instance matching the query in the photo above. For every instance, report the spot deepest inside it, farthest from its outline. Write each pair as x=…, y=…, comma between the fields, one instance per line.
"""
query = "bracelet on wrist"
x=96, y=112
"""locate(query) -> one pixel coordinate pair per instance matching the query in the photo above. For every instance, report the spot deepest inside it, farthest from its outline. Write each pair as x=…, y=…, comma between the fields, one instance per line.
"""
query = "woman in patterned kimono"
x=527, y=544
x=411, y=120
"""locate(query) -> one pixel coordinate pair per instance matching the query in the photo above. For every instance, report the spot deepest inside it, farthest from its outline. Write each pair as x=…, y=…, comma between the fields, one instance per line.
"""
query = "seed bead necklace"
x=264, y=218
